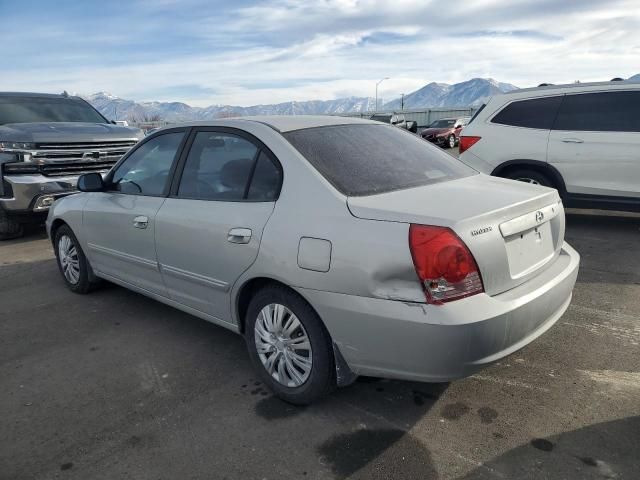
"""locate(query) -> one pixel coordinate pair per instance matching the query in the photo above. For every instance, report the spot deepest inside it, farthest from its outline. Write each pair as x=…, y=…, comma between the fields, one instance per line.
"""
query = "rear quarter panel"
x=368, y=258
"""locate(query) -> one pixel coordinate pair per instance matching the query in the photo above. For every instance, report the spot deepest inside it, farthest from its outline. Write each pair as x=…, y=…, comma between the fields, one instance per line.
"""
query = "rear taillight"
x=466, y=142
x=445, y=266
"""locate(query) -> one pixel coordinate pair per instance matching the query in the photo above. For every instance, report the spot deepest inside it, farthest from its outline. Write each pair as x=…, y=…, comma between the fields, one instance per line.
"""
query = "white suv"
x=582, y=139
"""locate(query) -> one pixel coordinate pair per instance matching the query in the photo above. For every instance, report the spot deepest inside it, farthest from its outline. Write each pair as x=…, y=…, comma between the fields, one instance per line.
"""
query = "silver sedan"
x=338, y=247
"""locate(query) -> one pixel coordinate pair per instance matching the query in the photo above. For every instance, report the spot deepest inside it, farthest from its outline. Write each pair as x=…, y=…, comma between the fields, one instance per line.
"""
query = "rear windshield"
x=369, y=159
x=46, y=109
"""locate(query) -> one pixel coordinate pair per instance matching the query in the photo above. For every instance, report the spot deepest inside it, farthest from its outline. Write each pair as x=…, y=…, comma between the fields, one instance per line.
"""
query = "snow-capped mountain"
x=117, y=108
x=472, y=92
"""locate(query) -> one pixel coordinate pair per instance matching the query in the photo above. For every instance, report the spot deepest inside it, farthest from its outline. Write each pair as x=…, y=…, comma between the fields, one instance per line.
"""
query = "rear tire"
x=72, y=262
x=285, y=352
x=529, y=176
x=9, y=228
x=451, y=141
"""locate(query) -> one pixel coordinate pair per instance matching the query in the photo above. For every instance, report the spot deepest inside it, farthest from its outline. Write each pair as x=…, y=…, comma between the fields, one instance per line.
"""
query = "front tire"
x=72, y=262
x=530, y=176
x=289, y=346
x=452, y=141
x=9, y=229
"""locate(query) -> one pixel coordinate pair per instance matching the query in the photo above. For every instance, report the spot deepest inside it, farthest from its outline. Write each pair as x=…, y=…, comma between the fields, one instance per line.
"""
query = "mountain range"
x=469, y=93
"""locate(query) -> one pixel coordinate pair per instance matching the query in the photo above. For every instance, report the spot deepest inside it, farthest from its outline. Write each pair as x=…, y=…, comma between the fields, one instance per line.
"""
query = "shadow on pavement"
x=600, y=451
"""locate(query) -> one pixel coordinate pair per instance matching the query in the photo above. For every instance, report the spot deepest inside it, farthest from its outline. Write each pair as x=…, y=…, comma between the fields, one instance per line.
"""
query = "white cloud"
x=285, y=50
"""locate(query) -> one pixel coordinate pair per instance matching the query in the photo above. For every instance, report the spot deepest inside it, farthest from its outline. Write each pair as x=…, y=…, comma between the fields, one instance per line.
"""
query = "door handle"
x=572, y=140
x=141, y=221
x=239, y=235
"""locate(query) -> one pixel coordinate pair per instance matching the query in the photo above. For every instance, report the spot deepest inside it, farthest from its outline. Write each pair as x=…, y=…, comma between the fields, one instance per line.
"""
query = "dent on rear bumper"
x=422, y=342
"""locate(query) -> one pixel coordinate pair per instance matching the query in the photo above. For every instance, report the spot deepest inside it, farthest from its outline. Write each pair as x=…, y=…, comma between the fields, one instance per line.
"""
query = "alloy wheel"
x=69, y=260
x=283, y=345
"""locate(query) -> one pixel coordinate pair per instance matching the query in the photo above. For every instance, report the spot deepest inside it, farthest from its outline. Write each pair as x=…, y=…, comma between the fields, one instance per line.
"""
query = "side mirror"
x=91, y=182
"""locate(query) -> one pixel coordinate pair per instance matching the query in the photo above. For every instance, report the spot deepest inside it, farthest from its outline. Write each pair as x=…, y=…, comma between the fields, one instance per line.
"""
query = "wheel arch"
x=344, y=374
x=55, y=225
x=536, y=165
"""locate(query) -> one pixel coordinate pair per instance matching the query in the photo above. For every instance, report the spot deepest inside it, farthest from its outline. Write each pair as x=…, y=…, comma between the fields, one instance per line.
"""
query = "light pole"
x=378, y=83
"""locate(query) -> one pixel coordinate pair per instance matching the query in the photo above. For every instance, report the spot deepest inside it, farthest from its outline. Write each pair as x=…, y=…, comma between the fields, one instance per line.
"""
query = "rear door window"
x=227, y=167
x=368, y=159
x=600, y=112
x=534, y=113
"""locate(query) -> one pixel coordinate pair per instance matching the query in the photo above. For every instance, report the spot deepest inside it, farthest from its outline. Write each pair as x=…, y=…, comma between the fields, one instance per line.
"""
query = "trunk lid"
x=513, y=229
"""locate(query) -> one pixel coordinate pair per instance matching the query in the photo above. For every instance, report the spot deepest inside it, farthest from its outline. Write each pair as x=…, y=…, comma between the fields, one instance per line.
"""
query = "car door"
x=595, y=143
x=120, y=222
x=208, y=231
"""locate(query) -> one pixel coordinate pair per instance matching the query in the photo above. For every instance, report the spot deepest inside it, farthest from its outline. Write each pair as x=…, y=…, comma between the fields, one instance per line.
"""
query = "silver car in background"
x=338, y=247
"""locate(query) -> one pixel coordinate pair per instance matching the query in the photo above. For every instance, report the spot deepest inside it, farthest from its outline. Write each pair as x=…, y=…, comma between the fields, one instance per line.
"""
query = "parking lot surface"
x=113, y=385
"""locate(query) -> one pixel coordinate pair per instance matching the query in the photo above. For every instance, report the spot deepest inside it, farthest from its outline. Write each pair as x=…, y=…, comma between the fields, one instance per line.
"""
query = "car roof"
x=284, y=123
x=570, y=88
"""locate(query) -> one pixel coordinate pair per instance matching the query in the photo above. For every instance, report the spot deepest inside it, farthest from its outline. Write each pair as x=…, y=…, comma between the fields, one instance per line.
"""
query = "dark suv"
x=46, y=142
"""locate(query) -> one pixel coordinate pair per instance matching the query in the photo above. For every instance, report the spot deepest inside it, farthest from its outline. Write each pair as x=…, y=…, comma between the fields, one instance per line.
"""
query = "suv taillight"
x=445, y=266
x=466, y=142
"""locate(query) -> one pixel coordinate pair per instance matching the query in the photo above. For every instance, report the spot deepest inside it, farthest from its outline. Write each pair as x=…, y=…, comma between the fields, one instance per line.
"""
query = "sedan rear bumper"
x=432, y=343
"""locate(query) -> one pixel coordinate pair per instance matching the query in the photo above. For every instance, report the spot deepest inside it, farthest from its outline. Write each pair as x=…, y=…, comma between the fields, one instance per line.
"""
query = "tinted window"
x=146, y=170
x=218, y=167
x=473, y=117
x=369, y=159
x=535, y=113
x=381, y=118
x=46, y=109
x=600, y=112
x=444, y=123
x=265, y=183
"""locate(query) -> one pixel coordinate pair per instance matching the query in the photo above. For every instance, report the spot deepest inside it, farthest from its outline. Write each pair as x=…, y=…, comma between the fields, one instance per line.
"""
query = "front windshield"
x=442, y=123
x=46, y=109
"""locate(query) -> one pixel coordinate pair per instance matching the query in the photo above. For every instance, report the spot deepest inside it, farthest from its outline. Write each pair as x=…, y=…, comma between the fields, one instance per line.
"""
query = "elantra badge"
x=480, y=231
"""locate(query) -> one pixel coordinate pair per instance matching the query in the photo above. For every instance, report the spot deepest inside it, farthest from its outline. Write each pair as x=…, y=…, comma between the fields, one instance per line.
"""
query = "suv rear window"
x=600, y=112
x=533, y=113
x=369, y=159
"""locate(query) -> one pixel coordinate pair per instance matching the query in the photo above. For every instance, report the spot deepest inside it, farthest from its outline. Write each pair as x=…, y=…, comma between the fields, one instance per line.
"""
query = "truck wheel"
x=8, y=228
x=452, y=141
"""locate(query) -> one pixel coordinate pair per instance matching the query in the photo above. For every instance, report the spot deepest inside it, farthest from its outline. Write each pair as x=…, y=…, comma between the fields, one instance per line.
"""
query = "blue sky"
x=247, y=52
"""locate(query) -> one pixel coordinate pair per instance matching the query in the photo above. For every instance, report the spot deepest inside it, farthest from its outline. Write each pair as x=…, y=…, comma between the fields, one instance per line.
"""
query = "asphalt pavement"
x=113, y=385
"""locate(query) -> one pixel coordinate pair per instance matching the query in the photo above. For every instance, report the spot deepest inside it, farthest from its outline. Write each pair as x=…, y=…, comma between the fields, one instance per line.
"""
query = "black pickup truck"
x=46, y=142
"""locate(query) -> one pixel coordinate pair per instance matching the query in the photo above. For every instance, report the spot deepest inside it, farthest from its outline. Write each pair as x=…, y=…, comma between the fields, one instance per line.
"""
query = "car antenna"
x=65, y=94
